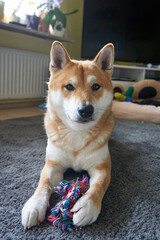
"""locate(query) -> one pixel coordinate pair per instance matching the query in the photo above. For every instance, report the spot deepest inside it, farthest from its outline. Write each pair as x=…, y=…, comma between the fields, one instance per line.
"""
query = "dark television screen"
x=133, y=26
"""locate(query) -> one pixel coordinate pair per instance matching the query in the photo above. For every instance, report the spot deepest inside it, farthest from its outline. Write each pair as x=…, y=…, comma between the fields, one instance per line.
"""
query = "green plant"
x=54, y=15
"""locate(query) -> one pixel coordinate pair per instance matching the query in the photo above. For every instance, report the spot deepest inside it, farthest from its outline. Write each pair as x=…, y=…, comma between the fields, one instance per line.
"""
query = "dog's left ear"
x=58, y=56
x=105, y=57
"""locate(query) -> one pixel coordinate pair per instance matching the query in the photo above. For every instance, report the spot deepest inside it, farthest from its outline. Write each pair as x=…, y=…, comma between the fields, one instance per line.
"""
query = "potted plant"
x=55, y=17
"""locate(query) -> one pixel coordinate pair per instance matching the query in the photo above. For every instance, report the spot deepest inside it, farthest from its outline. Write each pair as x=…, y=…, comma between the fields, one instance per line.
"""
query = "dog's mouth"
x=84, y=113
x=81, y=120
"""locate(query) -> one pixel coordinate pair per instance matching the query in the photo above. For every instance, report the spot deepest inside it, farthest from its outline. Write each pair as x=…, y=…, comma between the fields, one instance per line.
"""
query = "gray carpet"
x=131, y=206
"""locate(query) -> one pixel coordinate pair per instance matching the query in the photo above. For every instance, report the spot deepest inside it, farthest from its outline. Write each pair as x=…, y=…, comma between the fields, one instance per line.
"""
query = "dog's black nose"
x=85, y=111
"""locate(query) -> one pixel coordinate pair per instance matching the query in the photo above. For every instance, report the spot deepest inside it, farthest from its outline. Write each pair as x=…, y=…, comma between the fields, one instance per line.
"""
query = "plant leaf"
x=63, y=21
x=69, y=13
x=61, y=18
x=49, y=16
x=41, y=5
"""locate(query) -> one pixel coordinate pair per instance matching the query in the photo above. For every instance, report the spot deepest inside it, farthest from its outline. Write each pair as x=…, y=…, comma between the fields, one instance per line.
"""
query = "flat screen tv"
x=133, y=26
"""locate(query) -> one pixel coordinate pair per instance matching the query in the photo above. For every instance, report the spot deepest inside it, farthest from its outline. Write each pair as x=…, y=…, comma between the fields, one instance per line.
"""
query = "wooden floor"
x=121, y=110
x=20, y=112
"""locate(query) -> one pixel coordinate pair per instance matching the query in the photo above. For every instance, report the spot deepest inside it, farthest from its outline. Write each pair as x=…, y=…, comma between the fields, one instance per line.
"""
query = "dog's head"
x=80, y=92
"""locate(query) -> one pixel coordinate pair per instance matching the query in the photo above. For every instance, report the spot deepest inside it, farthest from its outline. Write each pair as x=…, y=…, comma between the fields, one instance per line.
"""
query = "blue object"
x=42, y=105
x=128, y=99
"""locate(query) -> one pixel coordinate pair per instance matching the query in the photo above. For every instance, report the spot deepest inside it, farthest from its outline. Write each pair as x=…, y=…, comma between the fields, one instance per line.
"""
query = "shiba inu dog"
x=78, y=124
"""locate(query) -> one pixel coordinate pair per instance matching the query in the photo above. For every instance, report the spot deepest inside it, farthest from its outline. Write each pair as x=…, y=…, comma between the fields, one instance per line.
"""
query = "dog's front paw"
x=34, y=211
x=85, y=211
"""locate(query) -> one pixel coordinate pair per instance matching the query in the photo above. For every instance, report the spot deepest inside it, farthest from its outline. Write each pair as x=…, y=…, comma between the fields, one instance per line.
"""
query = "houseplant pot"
x=32, y=21
x=55, y=32
x=55, y=18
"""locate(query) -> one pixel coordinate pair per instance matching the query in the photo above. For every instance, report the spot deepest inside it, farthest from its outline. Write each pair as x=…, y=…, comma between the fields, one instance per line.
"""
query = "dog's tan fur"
x=72, y=143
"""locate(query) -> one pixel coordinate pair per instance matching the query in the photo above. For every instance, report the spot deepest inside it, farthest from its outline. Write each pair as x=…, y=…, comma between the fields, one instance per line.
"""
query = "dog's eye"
x=70, y=87
x=95, y=86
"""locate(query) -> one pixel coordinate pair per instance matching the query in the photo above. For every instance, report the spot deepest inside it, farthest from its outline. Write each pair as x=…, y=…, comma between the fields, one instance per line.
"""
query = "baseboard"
x=20, y=103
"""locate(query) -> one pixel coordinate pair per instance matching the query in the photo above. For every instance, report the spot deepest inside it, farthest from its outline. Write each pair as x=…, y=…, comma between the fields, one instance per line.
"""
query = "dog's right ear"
x=58, y=56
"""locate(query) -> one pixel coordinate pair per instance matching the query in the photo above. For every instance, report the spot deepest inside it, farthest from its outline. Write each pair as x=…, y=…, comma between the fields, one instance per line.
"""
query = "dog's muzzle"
x=85, y=112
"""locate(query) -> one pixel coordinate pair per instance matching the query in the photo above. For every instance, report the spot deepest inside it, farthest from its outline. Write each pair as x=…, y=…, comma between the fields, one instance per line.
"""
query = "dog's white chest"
x=77, y=150
x=77, y=140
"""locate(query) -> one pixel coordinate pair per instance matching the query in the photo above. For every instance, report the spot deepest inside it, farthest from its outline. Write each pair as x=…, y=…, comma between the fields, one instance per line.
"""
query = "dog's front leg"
x=88, y=207
x=34, y=210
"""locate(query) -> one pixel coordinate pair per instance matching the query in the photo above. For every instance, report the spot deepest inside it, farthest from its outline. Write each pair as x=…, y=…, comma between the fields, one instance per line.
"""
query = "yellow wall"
x=74, y=26
x=26, y=42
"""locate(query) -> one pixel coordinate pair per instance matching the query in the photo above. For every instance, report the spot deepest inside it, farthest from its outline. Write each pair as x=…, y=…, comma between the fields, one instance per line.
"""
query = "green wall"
x=74, y=27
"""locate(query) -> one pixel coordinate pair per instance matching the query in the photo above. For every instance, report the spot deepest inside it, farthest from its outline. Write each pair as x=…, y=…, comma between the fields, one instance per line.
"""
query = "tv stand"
x=125, y=79
x=128, y=75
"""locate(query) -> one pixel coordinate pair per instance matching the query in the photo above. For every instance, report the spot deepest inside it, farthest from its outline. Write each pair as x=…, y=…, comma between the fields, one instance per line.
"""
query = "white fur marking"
x=101, y=105
x=85, y=212
x=91, y=78
x=73, y=80
x=34, y=211
x=67, y=110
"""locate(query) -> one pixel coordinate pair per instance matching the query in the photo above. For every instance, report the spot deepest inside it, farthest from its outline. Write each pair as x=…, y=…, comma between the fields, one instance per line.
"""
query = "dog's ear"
x=58, y=56
x=105, y=58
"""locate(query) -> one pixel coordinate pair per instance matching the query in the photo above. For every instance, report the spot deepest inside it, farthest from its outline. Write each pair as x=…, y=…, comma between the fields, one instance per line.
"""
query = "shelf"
x=123, y=79
x=31, y=32
x=137, y=67
x=122, y=73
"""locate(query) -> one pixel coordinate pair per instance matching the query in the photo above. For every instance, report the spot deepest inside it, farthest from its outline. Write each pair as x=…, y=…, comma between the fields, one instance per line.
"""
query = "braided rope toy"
x=70, y=192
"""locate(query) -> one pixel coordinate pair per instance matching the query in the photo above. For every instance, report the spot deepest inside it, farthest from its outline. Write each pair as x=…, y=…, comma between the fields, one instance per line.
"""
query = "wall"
x=74, y=27
x=24, y=42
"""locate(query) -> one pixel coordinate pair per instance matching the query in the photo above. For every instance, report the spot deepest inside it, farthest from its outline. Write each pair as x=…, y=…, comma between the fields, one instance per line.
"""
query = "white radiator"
x=23, y=74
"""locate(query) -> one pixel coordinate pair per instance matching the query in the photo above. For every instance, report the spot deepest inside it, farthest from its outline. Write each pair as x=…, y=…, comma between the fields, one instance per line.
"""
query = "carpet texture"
x=131, y=206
